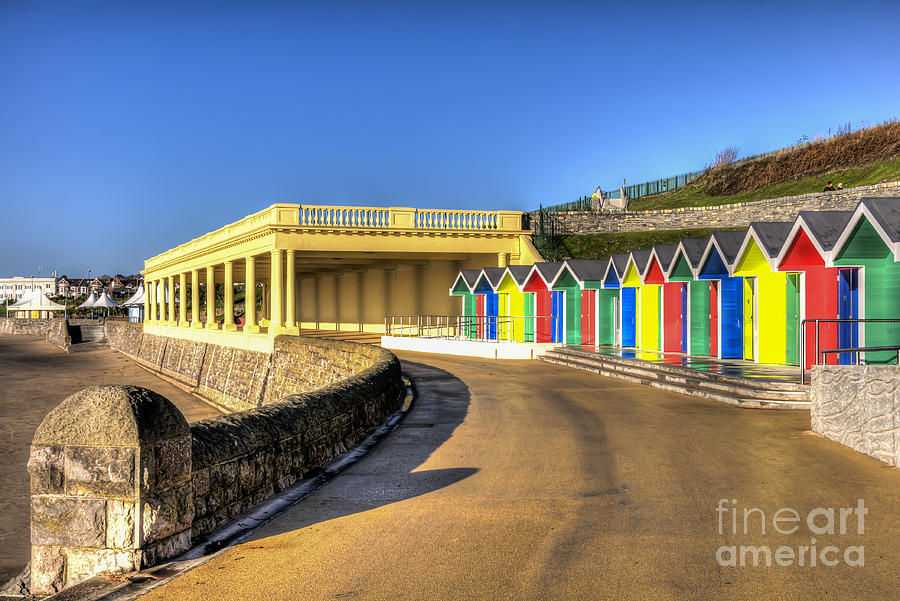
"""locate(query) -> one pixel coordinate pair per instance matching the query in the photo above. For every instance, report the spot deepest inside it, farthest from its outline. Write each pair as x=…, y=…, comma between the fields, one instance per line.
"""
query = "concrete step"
x=718, y=387
x=87, y=333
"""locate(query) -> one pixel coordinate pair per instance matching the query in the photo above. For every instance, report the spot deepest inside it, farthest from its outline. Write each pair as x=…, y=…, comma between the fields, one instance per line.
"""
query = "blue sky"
x=128, y=128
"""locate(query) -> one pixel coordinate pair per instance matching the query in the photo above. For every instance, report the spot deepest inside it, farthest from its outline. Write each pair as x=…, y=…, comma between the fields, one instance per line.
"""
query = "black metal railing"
x=854, y=350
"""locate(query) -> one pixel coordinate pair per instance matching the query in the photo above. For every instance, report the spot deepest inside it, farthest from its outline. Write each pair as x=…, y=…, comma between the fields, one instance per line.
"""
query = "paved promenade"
x=35, y=377
x=523, y=480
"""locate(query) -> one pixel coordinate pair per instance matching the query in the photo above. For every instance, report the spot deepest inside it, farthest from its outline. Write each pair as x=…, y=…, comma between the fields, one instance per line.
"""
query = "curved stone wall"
x=309, y=401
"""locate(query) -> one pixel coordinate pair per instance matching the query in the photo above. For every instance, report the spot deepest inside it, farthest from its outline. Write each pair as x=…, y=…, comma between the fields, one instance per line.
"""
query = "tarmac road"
x=524, y=480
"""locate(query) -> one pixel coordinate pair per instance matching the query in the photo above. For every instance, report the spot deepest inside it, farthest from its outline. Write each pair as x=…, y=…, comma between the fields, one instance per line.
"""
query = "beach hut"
x=812, y=286
x=464, y=287
x=765, y=292
x=135, y=305
x=726, y=308
x=488, y=304
x=683, y=268
x=674, y=308
x=646, y=300
x=515, y=307
x=866, y=255
x=581, y=282
x=624, y=301
x=548, y=305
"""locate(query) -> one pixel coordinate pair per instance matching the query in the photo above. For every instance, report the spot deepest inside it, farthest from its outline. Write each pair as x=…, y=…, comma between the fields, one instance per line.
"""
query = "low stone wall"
x=736, y=215
x=858, y=406
x=24, y=327
x=311, y=400
x=55, y=330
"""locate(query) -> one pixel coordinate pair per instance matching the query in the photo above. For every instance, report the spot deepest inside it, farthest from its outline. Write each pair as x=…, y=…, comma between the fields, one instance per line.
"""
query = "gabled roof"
x=583, y=270
x=729, y=244
x=665, y=254
x=726, y=245
x=641, y=258
x=545, y=270
x=519, y=273
x=692, y=249
x=825, y=227
x=883, y=214
x=468, y=276
x=492, y=276
x=617, y=263
x=770, y=237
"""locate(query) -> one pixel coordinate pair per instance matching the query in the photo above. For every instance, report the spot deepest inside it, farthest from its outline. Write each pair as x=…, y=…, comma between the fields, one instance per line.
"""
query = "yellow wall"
x=512, y=304
x=771, y=304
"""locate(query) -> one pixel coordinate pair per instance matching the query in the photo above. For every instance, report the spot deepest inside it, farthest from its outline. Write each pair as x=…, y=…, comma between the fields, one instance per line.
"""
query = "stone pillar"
x=290, y=290
x=195, y=299
x=182, y=300
x=277, y=278
x=162, y=294
x=147, y=301
x=211, y=299
x=110, y=486
x=171, y=301
x=228, y=324
x=250, y=295
x=150, y=294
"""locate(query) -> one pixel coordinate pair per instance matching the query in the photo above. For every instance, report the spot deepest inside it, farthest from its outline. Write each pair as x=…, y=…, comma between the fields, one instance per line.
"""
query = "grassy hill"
x=867, y=156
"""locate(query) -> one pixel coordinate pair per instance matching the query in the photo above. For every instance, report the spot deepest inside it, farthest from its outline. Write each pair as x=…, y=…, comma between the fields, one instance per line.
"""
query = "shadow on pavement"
x=387, y=474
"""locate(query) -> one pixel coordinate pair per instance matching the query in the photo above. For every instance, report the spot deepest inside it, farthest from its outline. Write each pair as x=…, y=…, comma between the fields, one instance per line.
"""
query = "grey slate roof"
x=548, y=270
x=519, y=273
x=641, y=257
x=470, y=276
x=694, y=249
x=826, y=226
x=494, y=275
x=620, y=262
x=772, y=234
x=587, y=270
x=886, y=212
x=665, y=253
x=730, y=243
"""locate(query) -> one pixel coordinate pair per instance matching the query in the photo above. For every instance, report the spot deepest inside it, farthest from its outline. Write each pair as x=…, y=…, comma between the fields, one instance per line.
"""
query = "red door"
x=479, y=311
x=672, y=317
x=714, y=318
x=542, y=311
x=588, y=317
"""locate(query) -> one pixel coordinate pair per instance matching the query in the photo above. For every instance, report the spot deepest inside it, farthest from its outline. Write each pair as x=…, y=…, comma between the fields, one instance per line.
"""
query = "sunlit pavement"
x=523, y=480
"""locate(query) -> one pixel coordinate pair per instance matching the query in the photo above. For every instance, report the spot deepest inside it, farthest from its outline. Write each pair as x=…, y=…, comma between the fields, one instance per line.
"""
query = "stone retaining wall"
x=55, y=330
x=310, y=400
x=858, y=406
x=736, y=215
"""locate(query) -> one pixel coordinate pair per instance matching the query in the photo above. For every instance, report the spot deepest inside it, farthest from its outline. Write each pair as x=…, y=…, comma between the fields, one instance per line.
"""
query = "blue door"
x=629, y=315
x=848, y=308
x=731, y=318
x=684, y=318
x=491, y=309
x=556, y=315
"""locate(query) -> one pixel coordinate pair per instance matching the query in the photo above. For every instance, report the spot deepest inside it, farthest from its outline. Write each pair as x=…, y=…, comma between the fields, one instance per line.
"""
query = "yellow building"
x=647, y=300
x=514, y=319
x=341, y=268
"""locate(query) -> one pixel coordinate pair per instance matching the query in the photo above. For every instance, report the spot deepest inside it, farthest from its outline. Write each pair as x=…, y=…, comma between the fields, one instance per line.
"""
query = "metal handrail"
x=803, y=324
x=465, y=327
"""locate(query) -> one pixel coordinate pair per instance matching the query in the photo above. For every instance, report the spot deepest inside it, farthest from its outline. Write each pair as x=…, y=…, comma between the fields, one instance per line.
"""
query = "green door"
x=792, y=319
x=749, y=317
x=529, y=319
x=699, y=317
